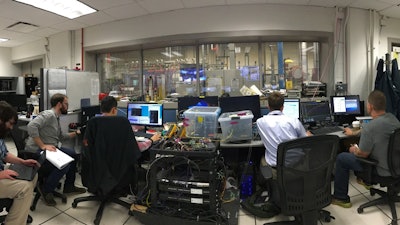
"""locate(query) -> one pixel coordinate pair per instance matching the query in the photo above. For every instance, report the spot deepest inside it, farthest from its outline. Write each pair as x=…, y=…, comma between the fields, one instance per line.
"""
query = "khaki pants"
x=21, y=191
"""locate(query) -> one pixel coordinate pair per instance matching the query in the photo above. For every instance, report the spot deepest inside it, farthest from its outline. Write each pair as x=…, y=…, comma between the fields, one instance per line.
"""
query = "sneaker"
x=341, y=203
x=49, y=199
x=366, y=186
x=74, y=190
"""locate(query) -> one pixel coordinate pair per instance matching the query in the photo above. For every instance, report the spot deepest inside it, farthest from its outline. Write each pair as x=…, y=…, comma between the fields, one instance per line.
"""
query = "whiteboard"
x=82, y=85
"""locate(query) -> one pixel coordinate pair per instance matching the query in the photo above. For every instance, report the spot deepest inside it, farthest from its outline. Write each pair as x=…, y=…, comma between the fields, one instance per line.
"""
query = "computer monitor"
x=185, y=103
x=238, y=103
x=315, y=112
x=345, y=105
x=291, y=107
x=145, y=114
x=17, y=101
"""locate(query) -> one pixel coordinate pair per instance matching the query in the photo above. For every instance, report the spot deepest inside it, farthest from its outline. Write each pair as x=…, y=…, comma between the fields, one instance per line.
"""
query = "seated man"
x=275, y=128
x=108, y=107
x=374, y=138
x=21, y=191
x=45, y=134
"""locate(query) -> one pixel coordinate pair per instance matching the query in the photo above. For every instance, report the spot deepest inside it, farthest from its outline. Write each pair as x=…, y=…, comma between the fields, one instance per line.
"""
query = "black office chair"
x=304, y=168
x=109, y=161
x=19, y=137
x=370, y=176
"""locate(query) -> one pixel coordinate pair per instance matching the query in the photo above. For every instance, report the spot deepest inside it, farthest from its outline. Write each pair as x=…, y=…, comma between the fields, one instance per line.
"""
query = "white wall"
x=240, y=18
x=7, y=69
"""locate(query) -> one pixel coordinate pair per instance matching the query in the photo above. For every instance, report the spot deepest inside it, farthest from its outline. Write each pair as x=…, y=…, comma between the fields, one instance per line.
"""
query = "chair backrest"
x=110, y=154
x=394, y=153
x=18, y=137
x=304, y=168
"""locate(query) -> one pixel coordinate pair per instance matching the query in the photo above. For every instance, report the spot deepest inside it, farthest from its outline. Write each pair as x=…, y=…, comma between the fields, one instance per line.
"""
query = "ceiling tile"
x=331, y=3
x=234, y=2
x=5, y=22
x=45, y=32
x=288, y=2
x=95, y=18
x=370, y=4
x=126, y=11
x=69, y=25
x=155, y=6
x=29, y=14
x=106, y=4
x=202, y=3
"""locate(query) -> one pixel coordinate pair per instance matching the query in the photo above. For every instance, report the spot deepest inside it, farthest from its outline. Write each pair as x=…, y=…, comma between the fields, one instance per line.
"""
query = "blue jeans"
x=55, y=174
x=345, y=162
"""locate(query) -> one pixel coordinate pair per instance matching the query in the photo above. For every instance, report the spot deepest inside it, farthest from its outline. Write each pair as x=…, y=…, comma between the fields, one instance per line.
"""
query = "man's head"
x=8, y=117
x=108, y=106
x=60, y=103
x=376, y=103
x=275, y=101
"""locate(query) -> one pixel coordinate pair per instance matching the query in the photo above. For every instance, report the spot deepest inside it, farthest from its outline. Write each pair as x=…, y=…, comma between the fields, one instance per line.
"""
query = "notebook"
x=27, y=172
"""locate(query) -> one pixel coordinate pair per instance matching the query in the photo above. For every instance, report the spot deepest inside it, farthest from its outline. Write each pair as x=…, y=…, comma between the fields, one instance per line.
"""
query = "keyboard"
x=326, y=130
x=142, y=134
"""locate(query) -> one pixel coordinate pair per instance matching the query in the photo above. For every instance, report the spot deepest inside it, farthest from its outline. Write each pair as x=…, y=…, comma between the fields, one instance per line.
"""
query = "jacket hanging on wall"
x=389, y=84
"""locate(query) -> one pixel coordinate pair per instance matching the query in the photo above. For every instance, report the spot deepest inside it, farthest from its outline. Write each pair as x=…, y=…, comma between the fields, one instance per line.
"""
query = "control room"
x=210, y=112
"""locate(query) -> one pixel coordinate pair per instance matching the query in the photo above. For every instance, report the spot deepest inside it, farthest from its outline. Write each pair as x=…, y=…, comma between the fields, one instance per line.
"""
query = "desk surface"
x=258, y=143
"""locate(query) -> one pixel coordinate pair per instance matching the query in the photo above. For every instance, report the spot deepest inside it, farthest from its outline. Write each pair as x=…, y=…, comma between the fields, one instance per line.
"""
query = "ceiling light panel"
x=70, y=9
x=4, y=39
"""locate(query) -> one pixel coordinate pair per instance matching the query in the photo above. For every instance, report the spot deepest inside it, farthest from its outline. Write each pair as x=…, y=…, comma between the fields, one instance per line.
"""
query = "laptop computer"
x=27, y=172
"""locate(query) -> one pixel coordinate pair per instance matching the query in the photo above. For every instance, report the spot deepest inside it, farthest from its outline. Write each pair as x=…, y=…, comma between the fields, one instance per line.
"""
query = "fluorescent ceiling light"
x=4, y=39
x=177, y=53
x=167, y=54
x=67, y=8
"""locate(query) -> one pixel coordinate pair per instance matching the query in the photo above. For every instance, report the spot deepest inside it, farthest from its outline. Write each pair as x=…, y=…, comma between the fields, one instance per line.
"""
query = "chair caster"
x=29, y=220
x=74, y=205
x=360, y=210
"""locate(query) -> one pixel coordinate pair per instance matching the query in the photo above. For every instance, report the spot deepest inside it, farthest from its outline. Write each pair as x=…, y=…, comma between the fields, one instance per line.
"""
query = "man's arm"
x=11, y=158
x=38, y=141
x=358, y=152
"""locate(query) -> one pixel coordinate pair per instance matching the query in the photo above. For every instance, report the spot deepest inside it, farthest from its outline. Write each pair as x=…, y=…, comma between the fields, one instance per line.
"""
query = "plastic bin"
x=201, y=121
x=236, y=126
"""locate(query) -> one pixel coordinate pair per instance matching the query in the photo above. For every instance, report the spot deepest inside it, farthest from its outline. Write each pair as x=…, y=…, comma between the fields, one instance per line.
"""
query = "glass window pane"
x=120, y=73
x=172, y=71
x=228, y=67
x=289, y=64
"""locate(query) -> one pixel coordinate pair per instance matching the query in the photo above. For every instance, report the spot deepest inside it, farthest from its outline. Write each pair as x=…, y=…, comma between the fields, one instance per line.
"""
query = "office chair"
x=19, y=137
x=109, y=161
x=370, y=176
x=304, y=168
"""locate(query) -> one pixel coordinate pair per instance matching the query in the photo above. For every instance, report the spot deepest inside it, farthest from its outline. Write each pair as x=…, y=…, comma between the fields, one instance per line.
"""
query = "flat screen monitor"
x=87, y=112
x=346, y=105
x=185, y=103
x=17, y=101
x=145, y=114
x=238, y=103
x=315, y=111
x=291, y=107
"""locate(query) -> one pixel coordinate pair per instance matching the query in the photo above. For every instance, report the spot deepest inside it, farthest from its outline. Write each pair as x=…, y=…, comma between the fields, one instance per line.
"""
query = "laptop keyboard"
x=326, y=130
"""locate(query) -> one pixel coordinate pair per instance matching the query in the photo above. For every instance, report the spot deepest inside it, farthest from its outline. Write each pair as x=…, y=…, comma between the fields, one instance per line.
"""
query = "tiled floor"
x=116, y=215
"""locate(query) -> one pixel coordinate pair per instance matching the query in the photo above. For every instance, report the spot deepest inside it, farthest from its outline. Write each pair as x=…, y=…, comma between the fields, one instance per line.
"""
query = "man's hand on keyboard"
x=156, y=137
x=348, y=131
